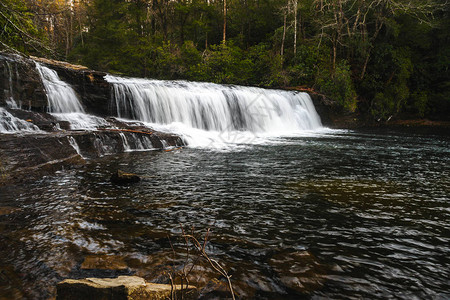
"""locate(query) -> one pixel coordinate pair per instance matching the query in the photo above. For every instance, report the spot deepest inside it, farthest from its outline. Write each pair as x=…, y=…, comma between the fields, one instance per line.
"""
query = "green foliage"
x=338, y=86
x=386, y=59
x=389, y=81
x=382, y=106
x=18, y=30
x=307, y=63
x=419, y=103
x=267, y=67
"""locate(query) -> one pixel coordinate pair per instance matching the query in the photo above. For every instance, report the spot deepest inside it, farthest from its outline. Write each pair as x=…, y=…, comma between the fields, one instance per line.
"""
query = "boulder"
x=120, y=177
x=122, y=287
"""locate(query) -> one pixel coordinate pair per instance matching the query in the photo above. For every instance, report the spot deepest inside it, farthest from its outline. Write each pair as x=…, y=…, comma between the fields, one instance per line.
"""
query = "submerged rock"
x=103, y=262
x=120, y=177
x=7, y=210
x=299, y=271
x=11, y=284
x=123, y=287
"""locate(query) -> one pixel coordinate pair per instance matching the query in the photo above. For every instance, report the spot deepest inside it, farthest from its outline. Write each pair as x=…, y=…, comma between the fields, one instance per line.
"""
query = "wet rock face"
x=31, y=156
x=43, y=121
x=34, y=143
x=55, y=146
x=27, y=157
x=326, y=108
x=20, y=81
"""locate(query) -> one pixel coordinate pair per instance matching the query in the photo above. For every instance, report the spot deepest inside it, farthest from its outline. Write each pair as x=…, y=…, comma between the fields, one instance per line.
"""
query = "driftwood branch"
x=200, y=249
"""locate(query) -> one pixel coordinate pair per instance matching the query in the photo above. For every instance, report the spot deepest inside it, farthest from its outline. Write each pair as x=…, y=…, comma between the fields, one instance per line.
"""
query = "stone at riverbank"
x=123, y=287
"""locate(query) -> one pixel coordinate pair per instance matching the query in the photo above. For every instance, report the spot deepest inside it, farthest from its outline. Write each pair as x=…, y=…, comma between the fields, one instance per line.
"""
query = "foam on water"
x=82, y=121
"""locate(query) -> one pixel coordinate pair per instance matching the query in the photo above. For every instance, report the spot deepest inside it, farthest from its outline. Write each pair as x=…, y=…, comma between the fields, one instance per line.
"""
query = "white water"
x=9, y=93
x=208, y=114
x=61, y=96
x=64, y=104
x=75, y=146
x=11, y=124
x=82, y=121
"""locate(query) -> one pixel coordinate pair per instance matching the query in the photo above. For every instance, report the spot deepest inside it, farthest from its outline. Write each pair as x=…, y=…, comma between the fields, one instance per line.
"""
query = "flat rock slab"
x=121, y=288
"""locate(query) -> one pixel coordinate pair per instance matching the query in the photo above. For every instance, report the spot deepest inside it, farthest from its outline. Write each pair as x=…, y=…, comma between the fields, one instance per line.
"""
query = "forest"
x=380, y=58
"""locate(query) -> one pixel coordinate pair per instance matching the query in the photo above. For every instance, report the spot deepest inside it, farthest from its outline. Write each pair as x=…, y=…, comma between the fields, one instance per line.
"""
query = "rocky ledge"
x=50, y=145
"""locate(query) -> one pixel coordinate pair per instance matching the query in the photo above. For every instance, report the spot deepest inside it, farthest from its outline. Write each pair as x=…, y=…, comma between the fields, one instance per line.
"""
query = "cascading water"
x=63, y=102
x=205, y=114
x=234, y=113
x=11, y=124
x=9, y=95
x=61, y=96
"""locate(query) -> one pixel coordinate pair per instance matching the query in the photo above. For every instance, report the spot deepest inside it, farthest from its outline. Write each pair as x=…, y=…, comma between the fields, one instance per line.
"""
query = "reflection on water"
x=342, y=215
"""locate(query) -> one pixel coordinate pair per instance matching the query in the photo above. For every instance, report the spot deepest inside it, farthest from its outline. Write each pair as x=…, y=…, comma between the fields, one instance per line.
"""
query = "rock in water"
x=103, y=262
x=120, y=177
x=121, y=288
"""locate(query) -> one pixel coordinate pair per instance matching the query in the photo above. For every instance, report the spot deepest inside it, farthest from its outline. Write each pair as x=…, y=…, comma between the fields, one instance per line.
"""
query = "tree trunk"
x=334, y=56
x=379, y=25
x=295, y=26
x=224, y=21
x=284, y=34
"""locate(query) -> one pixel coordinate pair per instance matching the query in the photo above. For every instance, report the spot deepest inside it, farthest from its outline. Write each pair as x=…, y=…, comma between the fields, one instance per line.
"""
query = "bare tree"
x=295, y=7
x=224, y=38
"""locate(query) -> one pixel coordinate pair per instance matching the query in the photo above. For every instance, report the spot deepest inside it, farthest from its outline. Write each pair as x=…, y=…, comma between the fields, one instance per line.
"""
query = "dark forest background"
x=383, y=58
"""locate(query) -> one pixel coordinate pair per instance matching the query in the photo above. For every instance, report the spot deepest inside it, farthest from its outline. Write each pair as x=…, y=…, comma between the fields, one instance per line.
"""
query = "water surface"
x=336, y=215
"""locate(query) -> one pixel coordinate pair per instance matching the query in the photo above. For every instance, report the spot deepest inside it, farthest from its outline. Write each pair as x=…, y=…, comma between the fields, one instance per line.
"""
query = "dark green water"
x=344, y=215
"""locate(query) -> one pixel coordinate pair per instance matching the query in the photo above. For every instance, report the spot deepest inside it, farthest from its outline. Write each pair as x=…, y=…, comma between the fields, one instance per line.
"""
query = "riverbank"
x=419, y=126
x=333, y=117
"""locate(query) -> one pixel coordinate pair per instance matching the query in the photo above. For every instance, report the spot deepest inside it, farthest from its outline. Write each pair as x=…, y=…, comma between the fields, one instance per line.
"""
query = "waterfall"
x=64, y=105
x=61, y=96
x=9, y=95
x=75, y=146
x=63, y=102
x=206, y=113
x=213, y=107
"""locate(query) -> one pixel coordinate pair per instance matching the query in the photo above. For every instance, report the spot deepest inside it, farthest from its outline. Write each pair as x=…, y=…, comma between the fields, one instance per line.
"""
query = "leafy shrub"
x=338, y=86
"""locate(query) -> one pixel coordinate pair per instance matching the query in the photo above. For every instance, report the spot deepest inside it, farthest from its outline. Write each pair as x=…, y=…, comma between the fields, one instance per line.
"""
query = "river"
x=333, y=214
